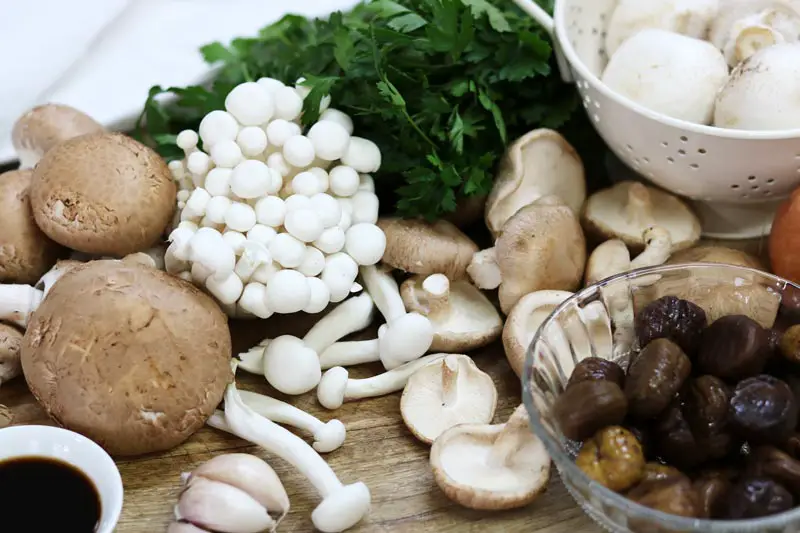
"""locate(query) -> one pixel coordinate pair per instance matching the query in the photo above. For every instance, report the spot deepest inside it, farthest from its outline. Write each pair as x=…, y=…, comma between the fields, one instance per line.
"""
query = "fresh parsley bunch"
x=440, y=85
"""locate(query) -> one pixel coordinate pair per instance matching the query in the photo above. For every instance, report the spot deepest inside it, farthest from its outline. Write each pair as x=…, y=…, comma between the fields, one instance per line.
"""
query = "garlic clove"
x=249, y=474
x=219, y=507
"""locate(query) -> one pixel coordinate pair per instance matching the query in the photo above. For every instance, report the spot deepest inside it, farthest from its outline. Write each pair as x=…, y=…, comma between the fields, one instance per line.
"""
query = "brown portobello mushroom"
x=129, y=356
x=103, y=194
x=25, y=252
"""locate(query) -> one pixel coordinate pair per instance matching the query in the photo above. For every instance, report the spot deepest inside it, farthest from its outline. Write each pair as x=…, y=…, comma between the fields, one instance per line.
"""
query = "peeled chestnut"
x=669, y=317
x=768, y=461
x=657, y=471
x=790, y=344
x=712, y=491
x=675, y=442
x=763, y=410
x=674, y=495
x=754, y=497
x=612, y=457
x=588, y=406
x=654, y=376
x=597, y=369
x=733, y=348
x=706, y=409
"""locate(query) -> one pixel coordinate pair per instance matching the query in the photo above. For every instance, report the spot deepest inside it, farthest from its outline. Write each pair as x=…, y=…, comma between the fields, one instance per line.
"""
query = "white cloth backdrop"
x=101, y=56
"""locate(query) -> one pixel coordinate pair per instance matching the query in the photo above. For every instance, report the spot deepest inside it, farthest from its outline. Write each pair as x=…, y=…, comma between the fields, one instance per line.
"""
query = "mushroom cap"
x=716, y=254
x=103, y=194
x=10, y=346
x=608, y=259
x=542, y=247
x=523, y=322
x=421, y=247
x=626, y=209
x=131, y=357
x=25, y=252
x=468, y=322
x=460, y=463
x=540, y=163
x=443, y=394
x=45, y=126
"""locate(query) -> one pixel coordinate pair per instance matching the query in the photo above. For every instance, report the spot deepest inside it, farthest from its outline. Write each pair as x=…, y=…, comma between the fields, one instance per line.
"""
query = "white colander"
x=735, y=178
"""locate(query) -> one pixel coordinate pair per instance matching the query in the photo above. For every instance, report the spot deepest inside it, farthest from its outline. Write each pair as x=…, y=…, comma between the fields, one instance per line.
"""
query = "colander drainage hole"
x=754, y=187
x=671, y=159
x=701, y=151
x=684, y=138
x=694, y=166
x=646, y=159
x=751, y=178
x=664, y=144
x=770, y=181
x=629, y=147
x=734, y=186
x=681, y=152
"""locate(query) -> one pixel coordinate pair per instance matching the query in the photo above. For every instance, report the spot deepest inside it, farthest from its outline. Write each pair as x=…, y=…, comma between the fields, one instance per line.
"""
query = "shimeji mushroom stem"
x=449, y=381
x=350, y=353
x=342, y=506
x=328, y=436
x=18, y=302
x=384, y=291
x=350, y=316
x=510, y=440
x=639, y=208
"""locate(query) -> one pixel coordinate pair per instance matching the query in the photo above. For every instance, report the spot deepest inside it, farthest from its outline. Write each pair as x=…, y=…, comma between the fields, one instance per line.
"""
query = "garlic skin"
x=231, y=493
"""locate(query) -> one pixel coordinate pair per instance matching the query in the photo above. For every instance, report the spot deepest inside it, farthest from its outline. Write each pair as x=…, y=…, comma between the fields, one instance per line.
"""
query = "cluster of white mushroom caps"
x=693, y=45
x=271, y=218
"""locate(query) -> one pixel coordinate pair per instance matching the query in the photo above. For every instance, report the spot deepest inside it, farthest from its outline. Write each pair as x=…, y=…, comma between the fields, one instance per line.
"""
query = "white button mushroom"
x=270, y=84
x=234, y=240
x=277, y=163
x=216, y=209
x=334, y=115
x=345, y=221
x=252, y=140
x=303, y=224
x=366, y=183
x=226, y=290
x=270, y=211
x=297, y=201
x=363, y=155
x=218, y=181
x=668, y=73
x=288, y=292
x=322, y=177
x=331, y=240
x=288, y=104
x=313, y=262
x=365, y=243
x=298, y=151
x=320, y=296
x=198, y=163
x=261, y=234
x=343, y=180
x=250, y=104
x=226, y=154
x=217, y=126
x=307, y=184
x=209, y=249
x=187, y=141
x=288, y=352
x=279, y=131
x=327, y=209
x=339, y=274
x=251, y=179
x=253, y=255
x=287, y=250
x=197, y=202
x=253, y=300
x=330, y=139
x=365, y=207
x=265, y=272
x=240, y=217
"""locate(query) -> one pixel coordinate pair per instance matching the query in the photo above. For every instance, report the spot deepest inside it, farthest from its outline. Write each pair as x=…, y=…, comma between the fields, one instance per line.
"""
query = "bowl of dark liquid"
x=53, y=479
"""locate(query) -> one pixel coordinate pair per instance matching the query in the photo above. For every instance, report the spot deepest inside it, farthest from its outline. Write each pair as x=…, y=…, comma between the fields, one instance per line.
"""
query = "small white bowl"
x=76, y=450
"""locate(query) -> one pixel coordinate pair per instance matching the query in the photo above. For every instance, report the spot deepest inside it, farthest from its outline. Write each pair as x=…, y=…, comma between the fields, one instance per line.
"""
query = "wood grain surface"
x=378, y=450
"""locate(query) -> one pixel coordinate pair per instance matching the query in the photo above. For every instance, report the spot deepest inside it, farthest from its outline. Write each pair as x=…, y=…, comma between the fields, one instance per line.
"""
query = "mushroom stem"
x=436, y=290
x=510, y=439
x=484, y=271
x=252, y=360
x=50, y=277
x=350, y=316
x=328, y=436
x=335, y=387
x=18, y=302
x=658, y=246
x=383, y=288
x=753, y=38
x=639, y=208
x=449, y=381
x=342, y=506
x=350, y=353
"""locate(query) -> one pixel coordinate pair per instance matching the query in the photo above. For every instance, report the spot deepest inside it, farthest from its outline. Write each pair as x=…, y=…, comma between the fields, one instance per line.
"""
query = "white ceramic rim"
x=111, y=503
x=575, y=62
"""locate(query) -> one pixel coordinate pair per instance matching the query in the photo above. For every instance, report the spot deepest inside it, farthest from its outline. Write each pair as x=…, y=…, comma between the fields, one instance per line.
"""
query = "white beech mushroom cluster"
x=272, y=218
x=728, y=63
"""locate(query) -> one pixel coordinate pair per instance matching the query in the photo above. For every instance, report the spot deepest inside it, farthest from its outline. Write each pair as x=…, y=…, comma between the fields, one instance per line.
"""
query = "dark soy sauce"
x=43, y=495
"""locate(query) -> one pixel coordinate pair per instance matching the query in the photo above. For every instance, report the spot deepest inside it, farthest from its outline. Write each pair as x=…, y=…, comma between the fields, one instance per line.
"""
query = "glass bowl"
x=598, y=322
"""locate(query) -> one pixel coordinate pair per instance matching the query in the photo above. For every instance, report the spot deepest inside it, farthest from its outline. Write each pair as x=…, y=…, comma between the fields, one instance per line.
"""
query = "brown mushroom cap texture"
x=103, y=194
x=716, y=254
x=421, y=247
x=46, y=126
x=10, y=347
x=25, y=252
x=131, y=357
